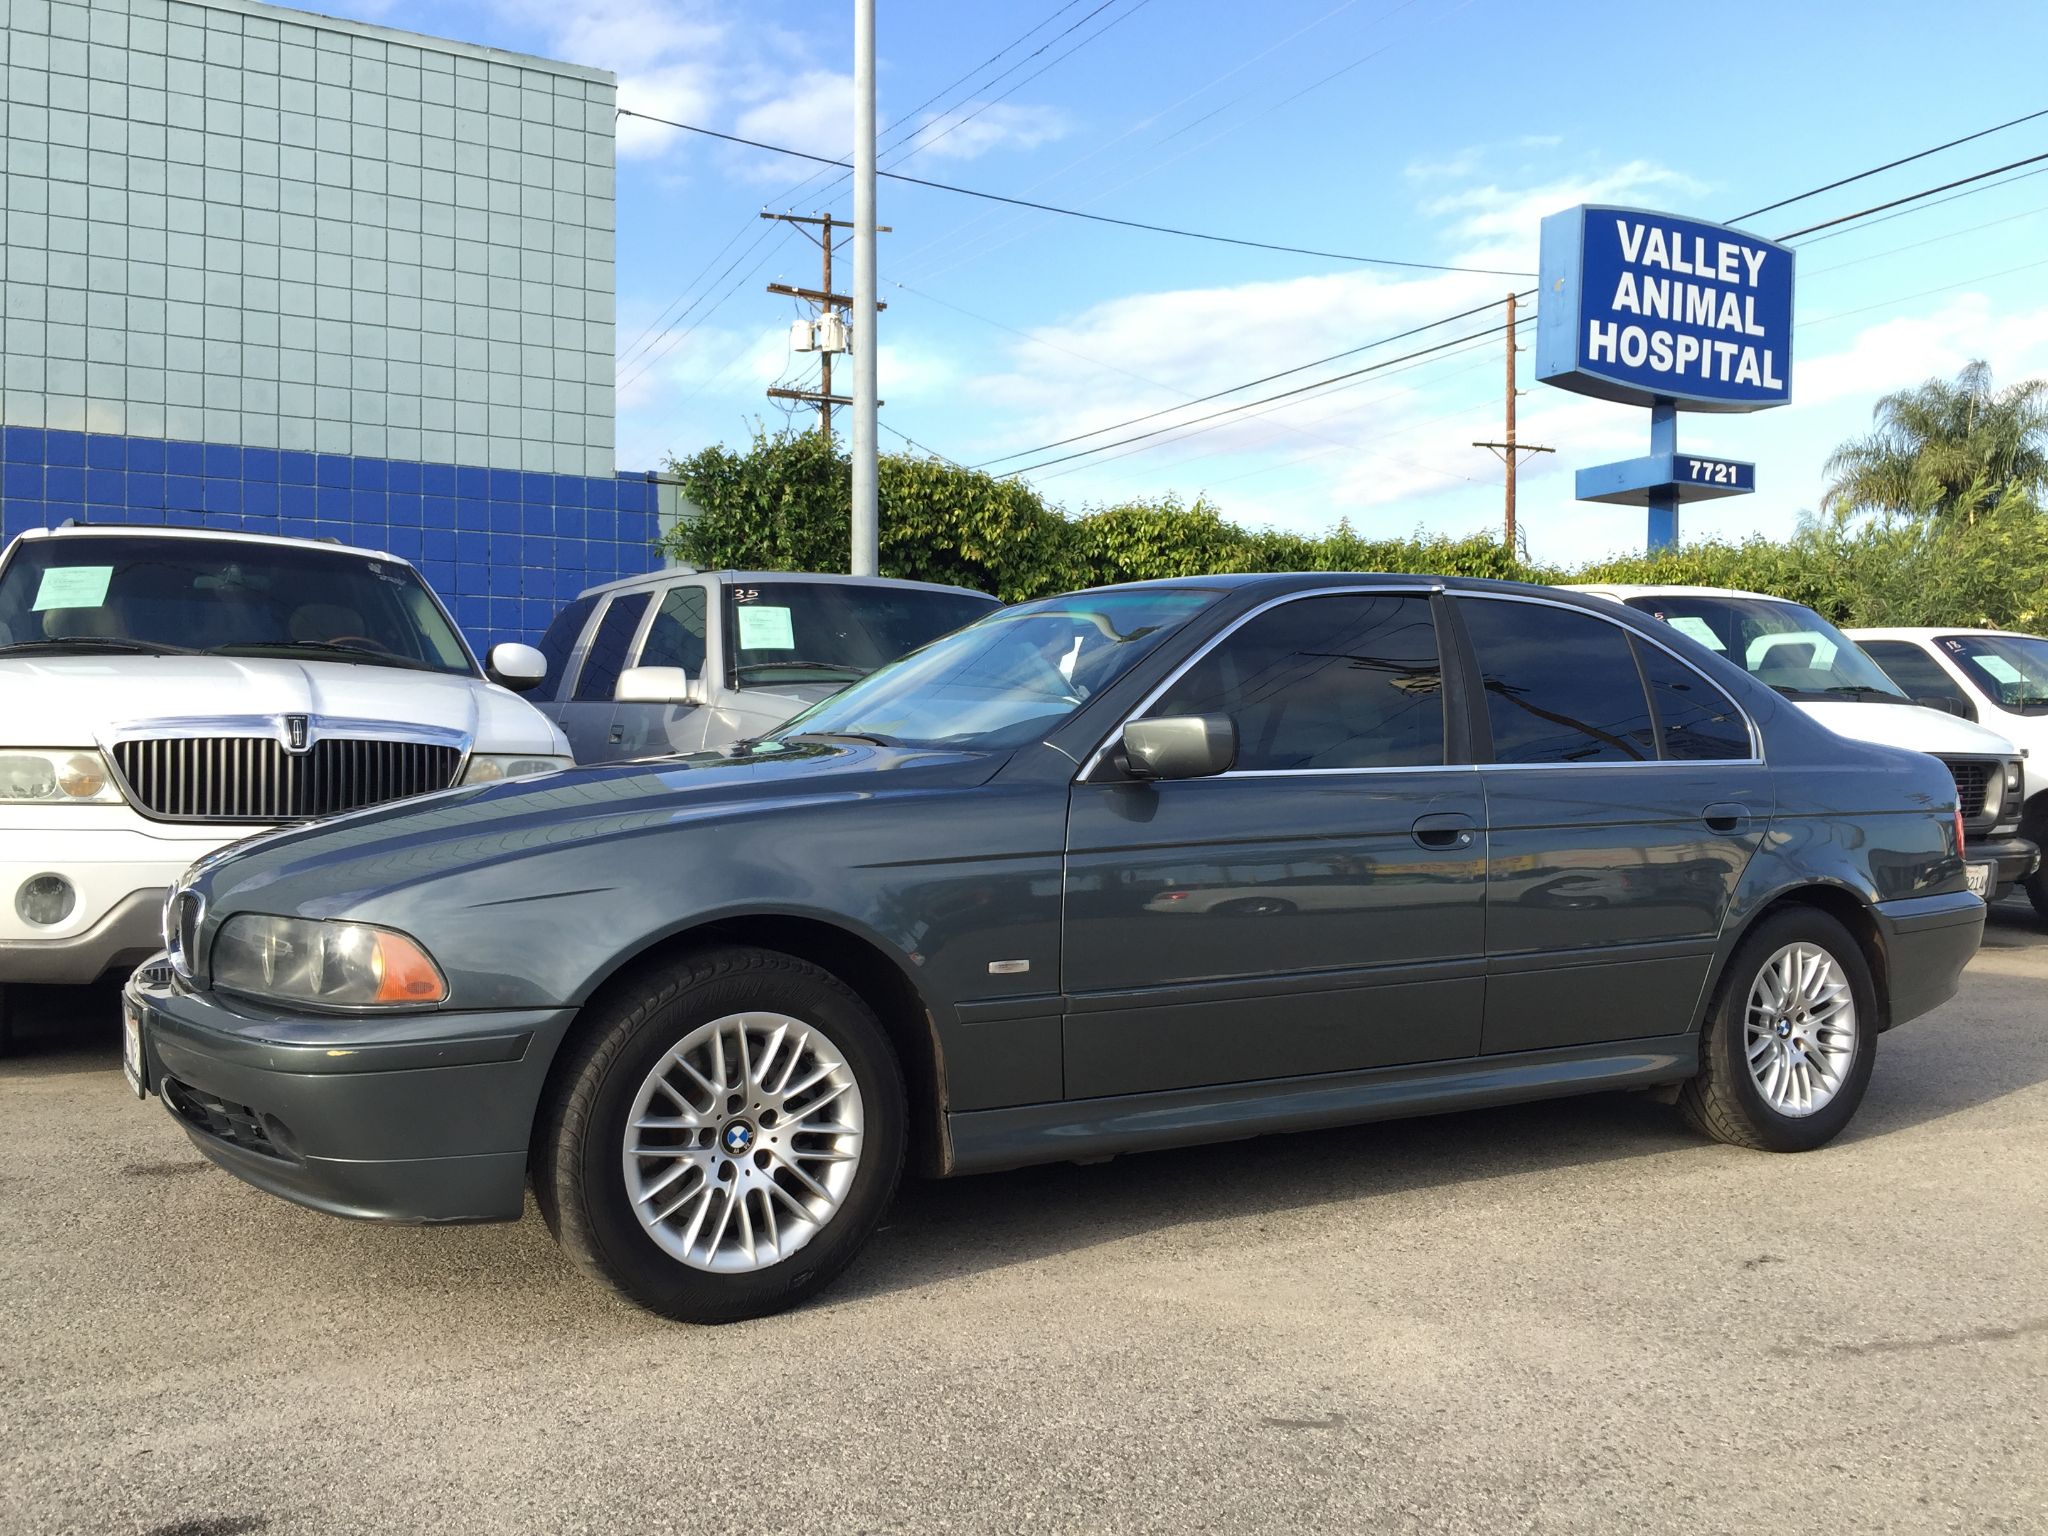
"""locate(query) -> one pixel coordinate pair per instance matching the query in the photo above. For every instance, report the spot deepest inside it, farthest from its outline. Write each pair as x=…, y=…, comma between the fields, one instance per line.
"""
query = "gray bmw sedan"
x=1122, y=870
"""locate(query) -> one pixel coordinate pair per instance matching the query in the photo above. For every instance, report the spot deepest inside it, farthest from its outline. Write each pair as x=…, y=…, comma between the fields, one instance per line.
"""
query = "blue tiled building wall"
x=504, y=549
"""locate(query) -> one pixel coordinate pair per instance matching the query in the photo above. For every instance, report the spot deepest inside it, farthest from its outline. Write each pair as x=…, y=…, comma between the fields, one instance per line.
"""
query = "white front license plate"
x=1979, y=876
x=131, y=1048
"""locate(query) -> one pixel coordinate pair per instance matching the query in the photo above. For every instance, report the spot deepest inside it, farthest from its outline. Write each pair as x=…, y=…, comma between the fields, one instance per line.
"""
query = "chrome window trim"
x=1756, y=739
x=1404, y=589
x=1430, y=589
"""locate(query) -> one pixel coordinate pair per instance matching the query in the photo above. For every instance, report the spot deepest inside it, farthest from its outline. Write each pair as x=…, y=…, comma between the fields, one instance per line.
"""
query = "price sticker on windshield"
x=764, y=627
x=72, y=586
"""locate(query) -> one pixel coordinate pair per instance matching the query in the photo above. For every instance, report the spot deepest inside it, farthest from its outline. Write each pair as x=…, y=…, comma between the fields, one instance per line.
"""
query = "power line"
x=947, y=90
x=1889, y=165
x=1463, y=314
x=1247, y=405
x=1914, y=197
x=1076, y=213
x=918, y=149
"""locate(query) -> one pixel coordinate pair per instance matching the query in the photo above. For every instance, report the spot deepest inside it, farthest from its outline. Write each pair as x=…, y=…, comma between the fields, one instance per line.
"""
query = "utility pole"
x=1511, y=451
x=827, y=303
x=866, y=557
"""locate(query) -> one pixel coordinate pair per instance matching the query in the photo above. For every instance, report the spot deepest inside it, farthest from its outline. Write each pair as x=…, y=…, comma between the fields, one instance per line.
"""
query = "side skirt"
x=986, y=1140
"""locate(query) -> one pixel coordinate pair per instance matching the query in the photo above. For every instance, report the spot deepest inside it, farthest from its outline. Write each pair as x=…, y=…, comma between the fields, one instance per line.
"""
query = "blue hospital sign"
x=1639, y=307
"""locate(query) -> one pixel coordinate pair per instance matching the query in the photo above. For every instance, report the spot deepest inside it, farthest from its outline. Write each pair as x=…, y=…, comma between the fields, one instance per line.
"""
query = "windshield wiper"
x=854, y=673
x=101, y=643
x=866, y=738
x=321, y=648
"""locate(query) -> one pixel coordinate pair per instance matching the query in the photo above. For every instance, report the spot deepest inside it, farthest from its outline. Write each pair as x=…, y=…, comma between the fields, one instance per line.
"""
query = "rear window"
x=1561, y=686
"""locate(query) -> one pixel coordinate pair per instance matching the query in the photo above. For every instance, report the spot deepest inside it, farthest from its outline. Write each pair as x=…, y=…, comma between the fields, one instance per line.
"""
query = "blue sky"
x=1428, y=130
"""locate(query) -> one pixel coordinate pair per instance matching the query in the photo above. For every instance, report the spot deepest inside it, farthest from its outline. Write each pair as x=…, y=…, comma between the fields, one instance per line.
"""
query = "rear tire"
x=723, y=1137
x=1788, y=1046
x=2036, y=887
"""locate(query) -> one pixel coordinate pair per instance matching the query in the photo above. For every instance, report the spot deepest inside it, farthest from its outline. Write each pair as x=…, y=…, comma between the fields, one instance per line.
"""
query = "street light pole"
x=865, y=342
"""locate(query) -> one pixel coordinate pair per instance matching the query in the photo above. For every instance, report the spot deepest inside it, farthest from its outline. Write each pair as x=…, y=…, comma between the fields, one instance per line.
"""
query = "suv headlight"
x=334, y=964
x=56, y=776
x=489, y=767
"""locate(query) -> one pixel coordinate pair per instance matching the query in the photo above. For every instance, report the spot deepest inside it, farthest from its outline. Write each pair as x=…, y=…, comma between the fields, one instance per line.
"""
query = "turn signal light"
x=403, y=971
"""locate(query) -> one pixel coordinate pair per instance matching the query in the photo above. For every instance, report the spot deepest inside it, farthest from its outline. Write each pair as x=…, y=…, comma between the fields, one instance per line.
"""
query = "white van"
x=1819, y=668
x=164, y=691
x=1993, y=676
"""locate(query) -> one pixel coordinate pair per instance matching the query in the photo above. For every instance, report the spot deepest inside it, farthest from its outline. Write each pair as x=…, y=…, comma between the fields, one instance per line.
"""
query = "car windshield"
x=226, y=597
x=836, y=632
x=2013, y=669
x=1793, y=649
x=1008, y=679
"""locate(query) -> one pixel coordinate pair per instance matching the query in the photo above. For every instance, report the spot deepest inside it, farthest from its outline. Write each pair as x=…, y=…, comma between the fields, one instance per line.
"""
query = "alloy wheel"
x=1800, y=1029
x=743, y=1142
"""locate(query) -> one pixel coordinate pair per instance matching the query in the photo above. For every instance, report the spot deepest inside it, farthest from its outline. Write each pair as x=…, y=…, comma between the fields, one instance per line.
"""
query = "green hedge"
x=784, y=504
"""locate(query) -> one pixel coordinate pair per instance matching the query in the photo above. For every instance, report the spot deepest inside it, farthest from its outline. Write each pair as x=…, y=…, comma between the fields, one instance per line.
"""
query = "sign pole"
x=1663, y=499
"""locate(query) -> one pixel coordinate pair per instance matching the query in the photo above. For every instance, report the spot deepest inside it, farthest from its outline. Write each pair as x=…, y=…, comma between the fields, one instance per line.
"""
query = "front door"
x=1320, y=907
x=675, y=637
x=586, y=714
x=1624, y=801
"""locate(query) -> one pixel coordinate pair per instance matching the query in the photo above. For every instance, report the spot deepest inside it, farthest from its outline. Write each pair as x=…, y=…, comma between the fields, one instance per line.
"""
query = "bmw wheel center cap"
x=737, y=1138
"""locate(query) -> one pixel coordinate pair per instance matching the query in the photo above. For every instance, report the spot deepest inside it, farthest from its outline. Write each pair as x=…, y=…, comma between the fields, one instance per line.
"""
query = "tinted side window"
x=607, y=655
x=1696, y=721
x=558, y=642
x=1914, y=670
x=676, y=637
x=1561, y=686
x=1347, y=681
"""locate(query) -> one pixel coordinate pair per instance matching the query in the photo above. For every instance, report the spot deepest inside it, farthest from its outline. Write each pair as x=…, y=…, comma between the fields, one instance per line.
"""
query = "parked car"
x=1994, y=676
x=164, y=691
x=1800, y=654
x=683, y=660
x=710, y=1005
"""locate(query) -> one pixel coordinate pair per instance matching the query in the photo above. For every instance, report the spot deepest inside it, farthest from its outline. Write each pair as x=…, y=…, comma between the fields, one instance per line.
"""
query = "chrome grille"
x=253, y=778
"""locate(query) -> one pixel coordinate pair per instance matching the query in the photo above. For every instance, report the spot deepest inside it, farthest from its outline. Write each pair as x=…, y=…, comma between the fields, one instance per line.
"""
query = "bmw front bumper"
x=412, y=1118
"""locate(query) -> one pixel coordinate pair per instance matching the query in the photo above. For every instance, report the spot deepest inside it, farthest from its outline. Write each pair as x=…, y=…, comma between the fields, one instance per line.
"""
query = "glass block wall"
x=506, y=548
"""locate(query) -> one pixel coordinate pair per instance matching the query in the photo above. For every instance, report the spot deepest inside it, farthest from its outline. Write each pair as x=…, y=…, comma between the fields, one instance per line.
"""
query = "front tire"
x=723, y=1137
x=1788, y=1046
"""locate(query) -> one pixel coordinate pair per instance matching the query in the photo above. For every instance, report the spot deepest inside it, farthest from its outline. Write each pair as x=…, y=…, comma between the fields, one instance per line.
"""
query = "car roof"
x=132, y=530
x=1930, y=632
x=1622, y=591
x=817, y=578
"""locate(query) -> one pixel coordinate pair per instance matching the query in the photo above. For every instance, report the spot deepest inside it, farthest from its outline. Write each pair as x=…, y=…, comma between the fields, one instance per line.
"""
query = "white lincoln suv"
x=166, y=691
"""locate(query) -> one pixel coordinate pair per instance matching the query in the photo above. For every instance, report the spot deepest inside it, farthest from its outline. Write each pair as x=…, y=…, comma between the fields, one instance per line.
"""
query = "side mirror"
x=1181, y=746
x=1947, y=705
x=657, y=685
x=515, y=666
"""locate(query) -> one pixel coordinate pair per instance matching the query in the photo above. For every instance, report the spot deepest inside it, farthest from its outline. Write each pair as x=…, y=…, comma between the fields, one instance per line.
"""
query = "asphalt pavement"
x=1573, y=1316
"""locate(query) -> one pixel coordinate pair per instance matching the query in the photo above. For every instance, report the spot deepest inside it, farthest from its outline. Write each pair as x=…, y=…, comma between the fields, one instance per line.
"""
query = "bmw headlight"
x=55, y=776
x=334, y=964
x=489, y=767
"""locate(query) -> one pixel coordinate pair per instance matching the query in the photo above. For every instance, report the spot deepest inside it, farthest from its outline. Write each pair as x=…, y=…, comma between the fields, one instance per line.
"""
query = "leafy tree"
x=1947, y=449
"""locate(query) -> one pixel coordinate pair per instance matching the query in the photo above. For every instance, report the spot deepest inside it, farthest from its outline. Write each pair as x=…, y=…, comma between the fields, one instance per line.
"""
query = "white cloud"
x=813, y=113
x=976, y=129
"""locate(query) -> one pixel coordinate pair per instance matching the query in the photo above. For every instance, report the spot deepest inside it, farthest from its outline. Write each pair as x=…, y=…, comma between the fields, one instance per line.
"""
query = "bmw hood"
x=75, y=701
x=1911, y=725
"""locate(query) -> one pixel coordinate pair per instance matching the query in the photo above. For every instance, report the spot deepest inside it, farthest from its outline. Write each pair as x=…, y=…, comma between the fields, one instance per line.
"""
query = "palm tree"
x=1946, y=449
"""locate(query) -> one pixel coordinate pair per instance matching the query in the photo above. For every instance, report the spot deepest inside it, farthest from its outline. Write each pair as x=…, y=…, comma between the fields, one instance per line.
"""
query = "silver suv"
x=683, y=660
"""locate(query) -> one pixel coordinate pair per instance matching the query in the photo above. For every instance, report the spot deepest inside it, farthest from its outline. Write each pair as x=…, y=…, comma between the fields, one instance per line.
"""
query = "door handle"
x=618, y=734
x=1726, y=817
x=1447, y=829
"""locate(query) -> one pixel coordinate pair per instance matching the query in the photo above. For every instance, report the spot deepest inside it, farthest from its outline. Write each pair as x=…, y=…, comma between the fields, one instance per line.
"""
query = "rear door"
x=586, y=716
x=1624, y=799
x=1317, y=909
